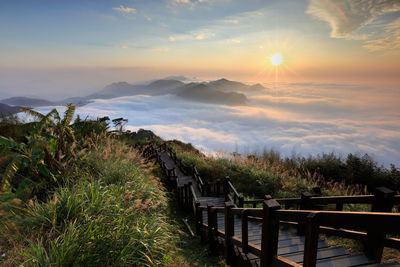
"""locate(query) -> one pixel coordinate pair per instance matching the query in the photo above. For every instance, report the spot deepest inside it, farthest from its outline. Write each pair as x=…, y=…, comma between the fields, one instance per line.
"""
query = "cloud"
x=125, y=10
x=199, y=35
x=390, y=40
x=191, y=4
x=237, y=41
x=305, y=118
x=160, y=49
x=347, y=16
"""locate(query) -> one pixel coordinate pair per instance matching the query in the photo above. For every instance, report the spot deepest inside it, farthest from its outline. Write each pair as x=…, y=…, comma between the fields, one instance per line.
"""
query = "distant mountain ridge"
x=6, y=109
x=26, y=102
x=220, y=91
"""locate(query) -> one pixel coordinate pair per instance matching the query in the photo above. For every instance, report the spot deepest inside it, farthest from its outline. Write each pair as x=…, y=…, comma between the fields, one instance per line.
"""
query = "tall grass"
x=257, y=176
x=109, y=212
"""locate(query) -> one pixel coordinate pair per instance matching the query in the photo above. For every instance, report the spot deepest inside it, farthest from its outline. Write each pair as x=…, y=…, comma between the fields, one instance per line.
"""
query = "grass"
x=111, y=211
x=256, y=177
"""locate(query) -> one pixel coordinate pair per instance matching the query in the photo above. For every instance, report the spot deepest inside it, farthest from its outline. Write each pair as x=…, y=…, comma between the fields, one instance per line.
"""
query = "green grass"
x=256, y=177
x=110, y=212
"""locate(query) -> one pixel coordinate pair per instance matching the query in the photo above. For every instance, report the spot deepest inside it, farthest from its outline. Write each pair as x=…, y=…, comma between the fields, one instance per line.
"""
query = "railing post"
x=199, y=219
x=180, y=195
x=241, y=201
x=190, y=202
x=211, y=225
x=185, y=195
x=305, y=204
x=245, y=231
x=270, y=232
x=374, y=243
x=218, y=184
x=207, y=188
x=229, y=232
x=226, y=188
x=339, y=206
x=383, y=200
x=311, y=241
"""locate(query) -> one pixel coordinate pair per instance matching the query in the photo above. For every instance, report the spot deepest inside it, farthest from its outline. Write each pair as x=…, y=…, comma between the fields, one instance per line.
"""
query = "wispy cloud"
x=389, y=41
x=192, y=3
x=348, y=18
x=199, y=35
x=161, y=49
x=125, y=10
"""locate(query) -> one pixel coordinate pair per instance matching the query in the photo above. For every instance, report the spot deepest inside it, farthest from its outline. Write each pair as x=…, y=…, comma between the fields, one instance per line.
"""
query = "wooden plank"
x=297, y=248
x=321, y=254
x=349, y=260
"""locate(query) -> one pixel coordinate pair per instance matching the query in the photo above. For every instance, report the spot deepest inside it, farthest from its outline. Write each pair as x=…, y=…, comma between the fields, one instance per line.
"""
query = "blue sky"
x=320, y=40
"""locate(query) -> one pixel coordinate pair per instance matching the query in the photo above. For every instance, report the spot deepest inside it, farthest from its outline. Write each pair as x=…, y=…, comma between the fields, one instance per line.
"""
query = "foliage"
x=37, y=163
x=108, y=210
x=86, y=128
x=255, y=177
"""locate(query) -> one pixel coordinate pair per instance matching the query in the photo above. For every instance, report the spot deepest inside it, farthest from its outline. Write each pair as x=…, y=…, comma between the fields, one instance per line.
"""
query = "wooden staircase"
x=271, y=236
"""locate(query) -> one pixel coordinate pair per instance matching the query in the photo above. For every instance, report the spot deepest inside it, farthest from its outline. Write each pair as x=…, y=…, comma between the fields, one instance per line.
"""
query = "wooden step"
x=348, y=260
x=321, y=254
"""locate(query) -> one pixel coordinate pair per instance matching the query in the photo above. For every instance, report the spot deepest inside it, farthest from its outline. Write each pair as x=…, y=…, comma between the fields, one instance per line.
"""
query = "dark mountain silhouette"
x=221, y=91
x=204, y=93
x=125, y=89
x=6, y=109
x=218, y=92
x=26, y=102
x=232, y=86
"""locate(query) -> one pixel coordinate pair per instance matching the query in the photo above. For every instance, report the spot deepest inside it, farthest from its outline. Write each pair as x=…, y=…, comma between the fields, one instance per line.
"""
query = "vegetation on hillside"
x=73, y=195
x=257, y=175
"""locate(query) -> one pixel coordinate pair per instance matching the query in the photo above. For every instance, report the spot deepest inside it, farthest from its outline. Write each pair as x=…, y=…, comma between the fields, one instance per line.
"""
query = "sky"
x=59, y=48
x=337, y=89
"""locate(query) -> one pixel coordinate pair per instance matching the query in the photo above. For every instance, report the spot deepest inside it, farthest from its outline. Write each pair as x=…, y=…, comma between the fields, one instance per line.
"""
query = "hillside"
x=74, y=182
x=26, y=102
x=6, y=109
x=59, y=210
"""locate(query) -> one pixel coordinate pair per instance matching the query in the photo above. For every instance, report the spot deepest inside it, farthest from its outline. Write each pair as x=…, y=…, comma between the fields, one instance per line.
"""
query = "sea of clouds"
x=302, y=119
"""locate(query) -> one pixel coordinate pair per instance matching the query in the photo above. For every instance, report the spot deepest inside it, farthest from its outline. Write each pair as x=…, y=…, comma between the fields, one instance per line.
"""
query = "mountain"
x=221, y=91
x=26, y=102
x=6, y=109
x=232, y=86
x=163, y=85
x=203, y=93
x=125, y=89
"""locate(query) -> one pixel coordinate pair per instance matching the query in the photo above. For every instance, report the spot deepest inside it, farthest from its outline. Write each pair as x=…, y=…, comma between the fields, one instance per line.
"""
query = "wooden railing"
x=372, y=227
x=382, y=201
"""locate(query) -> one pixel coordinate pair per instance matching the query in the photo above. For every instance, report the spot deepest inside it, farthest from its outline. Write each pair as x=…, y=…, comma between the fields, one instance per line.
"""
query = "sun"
x=276, y=59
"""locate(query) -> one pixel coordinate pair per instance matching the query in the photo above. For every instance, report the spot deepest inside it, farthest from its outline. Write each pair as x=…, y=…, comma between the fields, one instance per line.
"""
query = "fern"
x=10, y=172
x=68, y=115
x=32, y=112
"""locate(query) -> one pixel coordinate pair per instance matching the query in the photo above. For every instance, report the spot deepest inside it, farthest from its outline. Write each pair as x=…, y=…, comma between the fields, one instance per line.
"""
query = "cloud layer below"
x=291, y=118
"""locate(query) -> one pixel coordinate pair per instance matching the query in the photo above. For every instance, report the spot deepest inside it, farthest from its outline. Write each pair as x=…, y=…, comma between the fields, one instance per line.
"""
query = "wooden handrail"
x=370, y=227
x=193, y=193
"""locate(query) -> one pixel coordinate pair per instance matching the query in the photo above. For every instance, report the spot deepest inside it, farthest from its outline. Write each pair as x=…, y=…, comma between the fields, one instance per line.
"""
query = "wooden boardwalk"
x=291, y=247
